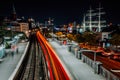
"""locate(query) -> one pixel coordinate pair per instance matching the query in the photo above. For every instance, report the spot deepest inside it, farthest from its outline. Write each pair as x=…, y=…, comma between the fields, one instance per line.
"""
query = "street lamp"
x=95, y=61
x=78, y=28
x=50, y=22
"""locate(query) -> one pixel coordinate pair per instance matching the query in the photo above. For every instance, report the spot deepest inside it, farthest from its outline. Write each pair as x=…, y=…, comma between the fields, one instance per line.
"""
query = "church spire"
x=14, y=12
x=13, y=16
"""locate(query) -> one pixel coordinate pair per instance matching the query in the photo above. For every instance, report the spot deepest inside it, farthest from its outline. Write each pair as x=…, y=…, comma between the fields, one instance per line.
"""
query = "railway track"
x=55, y=68
x=31, y=67
x=31, y=63
x=40, y=62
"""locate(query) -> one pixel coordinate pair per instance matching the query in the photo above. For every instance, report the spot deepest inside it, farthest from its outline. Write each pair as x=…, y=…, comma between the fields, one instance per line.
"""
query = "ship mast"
x=99, y=17
x=92, y=20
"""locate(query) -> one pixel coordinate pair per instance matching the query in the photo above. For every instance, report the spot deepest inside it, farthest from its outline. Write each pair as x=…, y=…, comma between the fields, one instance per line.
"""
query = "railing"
x=109, y=76
x=100, y=68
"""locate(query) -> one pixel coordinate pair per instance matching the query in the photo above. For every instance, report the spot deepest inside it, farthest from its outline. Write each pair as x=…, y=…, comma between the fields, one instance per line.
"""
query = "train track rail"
x=40, y=62
x=31, y=63
x=31, y=67
x=55, y=68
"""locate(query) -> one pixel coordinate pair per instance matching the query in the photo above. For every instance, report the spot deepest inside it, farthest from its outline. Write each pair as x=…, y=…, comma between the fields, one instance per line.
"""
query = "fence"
x=99, y=69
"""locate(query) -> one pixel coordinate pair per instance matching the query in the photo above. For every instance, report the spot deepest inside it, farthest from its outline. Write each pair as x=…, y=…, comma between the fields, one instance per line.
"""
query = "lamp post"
x=50, y=23
x=77, y=28
x=95, y=62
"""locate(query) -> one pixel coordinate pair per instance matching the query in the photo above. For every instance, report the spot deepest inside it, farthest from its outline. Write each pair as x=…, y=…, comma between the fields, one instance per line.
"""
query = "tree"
x=79, y=38
x=90, y=38
x=70, y=36
x=115, y=40
x=59, y=33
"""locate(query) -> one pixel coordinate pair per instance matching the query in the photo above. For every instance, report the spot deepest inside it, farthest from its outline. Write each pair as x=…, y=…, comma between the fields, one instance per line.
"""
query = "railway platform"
x=9, y=63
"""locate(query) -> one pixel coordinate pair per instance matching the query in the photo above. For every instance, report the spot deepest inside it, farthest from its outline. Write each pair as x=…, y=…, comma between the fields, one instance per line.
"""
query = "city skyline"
x=62, y=11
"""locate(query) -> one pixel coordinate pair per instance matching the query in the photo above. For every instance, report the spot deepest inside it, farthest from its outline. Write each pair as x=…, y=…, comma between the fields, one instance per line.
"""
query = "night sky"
x=63, y=11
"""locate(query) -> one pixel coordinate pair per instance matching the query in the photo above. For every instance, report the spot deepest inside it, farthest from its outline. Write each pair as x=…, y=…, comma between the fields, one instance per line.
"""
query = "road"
x=78, y=69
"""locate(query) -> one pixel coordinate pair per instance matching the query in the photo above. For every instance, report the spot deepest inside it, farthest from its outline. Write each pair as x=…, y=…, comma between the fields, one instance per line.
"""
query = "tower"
x=13, y=14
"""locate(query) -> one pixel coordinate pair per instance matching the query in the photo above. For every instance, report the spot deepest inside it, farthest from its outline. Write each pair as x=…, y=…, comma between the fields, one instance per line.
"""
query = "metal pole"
x=94, y=57
x=95, y=62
